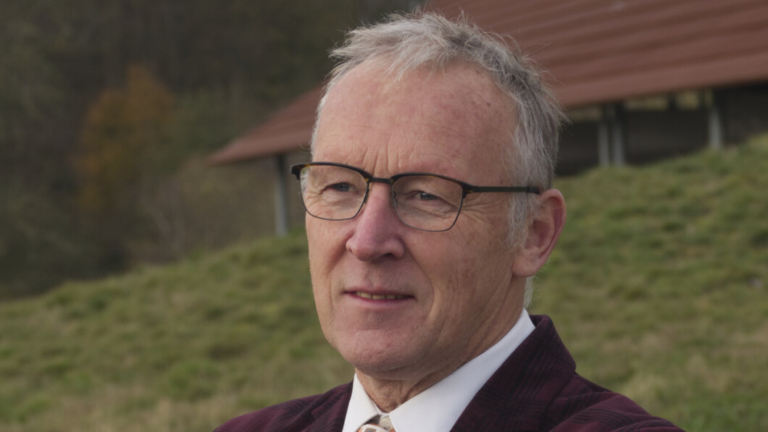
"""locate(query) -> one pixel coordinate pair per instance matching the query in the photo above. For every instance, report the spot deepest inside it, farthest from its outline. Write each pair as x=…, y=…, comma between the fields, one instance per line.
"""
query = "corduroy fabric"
x=536, y=389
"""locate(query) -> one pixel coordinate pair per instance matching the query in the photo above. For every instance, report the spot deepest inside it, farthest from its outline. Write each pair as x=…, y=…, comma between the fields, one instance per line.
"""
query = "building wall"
x=745, y=112
x=655, y=135
x=661, y=127
x=578, y=148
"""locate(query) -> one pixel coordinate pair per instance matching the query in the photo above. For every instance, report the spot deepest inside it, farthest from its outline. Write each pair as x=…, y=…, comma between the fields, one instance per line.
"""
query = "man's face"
x=455, y=294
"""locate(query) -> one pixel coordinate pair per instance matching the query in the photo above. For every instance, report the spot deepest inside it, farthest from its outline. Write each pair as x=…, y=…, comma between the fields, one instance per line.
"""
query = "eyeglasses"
x=428, y=202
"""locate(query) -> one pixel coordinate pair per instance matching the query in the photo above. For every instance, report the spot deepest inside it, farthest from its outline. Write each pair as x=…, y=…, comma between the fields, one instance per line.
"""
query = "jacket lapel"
x=329, y=416
x=517, y=395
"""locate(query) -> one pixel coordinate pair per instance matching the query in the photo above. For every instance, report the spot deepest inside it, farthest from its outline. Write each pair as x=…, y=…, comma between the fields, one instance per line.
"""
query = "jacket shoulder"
x=585, y=406
x=297, y=415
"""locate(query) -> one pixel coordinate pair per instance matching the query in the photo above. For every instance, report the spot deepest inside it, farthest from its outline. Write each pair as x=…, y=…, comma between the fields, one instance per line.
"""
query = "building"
x=640, y=79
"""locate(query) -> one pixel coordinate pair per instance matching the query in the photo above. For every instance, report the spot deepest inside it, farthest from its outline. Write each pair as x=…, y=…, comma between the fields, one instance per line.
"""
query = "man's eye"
x=425, y=196
x=340, y=187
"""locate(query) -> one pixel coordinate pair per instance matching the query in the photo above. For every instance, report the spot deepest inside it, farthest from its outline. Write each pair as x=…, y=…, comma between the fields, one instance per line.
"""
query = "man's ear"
x=542, y=234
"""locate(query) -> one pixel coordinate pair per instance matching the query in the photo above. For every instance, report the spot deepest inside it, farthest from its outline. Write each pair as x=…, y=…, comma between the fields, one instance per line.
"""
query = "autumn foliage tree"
x=122, y=130
x=85, y=136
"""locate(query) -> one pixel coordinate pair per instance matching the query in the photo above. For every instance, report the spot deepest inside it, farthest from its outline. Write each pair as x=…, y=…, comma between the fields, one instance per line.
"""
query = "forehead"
x=452, y=122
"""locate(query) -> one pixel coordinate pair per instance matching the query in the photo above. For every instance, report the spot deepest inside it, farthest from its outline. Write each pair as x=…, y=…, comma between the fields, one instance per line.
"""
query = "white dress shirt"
x=437, y=408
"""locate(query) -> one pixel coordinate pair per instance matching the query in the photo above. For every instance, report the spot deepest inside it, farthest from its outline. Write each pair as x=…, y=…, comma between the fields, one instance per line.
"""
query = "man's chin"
x=382, y=365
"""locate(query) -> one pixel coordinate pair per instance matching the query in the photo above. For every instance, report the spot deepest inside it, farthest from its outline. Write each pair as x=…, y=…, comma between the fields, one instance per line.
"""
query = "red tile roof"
x=594, y=51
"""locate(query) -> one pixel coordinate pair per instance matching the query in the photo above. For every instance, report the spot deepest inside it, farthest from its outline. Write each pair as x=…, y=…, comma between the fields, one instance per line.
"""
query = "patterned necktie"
x=372, y=428
x=383, y=425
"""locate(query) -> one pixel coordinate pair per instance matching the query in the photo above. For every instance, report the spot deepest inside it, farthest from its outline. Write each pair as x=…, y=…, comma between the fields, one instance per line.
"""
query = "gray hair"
x=421, y=39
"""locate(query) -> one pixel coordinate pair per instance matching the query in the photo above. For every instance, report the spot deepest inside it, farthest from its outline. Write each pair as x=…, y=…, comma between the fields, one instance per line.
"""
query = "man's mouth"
x=379, y=297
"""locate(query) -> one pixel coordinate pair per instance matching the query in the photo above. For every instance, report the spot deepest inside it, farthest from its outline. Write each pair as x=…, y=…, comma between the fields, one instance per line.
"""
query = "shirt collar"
x=437, y=408
x=361, y=408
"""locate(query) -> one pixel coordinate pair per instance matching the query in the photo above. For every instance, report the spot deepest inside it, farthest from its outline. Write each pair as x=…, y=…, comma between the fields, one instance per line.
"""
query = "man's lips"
x=369, y=296
x=377, y=294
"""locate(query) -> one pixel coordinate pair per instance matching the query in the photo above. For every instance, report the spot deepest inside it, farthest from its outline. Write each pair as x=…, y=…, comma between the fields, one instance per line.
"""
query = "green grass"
x=659, y=288
x=161, y=349
x=659, y=285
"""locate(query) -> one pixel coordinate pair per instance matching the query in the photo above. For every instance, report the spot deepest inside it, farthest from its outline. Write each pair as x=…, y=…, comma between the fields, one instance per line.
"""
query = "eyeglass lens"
x=421, y=201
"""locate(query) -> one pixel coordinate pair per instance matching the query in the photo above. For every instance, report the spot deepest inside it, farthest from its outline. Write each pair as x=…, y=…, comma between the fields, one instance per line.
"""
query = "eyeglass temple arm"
x=296, y=170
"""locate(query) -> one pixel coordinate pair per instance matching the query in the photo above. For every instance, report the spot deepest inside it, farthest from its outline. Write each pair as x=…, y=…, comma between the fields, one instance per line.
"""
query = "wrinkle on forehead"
x=460, y=105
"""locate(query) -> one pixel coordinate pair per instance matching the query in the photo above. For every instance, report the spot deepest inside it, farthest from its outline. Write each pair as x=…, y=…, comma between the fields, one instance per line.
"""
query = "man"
x=429, y=210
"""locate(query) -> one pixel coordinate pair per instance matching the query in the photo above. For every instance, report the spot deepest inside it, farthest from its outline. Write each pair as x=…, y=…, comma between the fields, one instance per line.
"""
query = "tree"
x=68, y=93
x=122, y=129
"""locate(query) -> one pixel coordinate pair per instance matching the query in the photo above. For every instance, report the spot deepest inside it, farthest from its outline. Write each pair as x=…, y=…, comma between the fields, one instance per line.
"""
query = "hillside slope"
x=659, y=287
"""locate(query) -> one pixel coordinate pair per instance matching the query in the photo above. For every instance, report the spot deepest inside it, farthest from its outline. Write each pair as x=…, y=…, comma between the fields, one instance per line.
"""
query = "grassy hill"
x=659, y=287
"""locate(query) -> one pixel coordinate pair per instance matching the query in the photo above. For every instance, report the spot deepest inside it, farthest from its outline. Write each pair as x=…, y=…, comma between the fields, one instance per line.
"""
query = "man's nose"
x=377, y=229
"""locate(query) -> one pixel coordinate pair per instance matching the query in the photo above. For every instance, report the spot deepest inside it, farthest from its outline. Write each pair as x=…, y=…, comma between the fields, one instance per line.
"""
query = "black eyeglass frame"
x=466, y=188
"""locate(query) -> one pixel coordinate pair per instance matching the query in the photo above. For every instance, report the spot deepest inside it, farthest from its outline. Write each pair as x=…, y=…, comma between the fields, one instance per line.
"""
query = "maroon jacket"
x=536, y=389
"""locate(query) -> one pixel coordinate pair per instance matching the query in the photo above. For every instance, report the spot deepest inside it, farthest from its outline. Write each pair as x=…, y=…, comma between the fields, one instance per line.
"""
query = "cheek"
x=321, y=264
x=319, y=269
x=325, y=246
x=467, y=277
x=452, y=272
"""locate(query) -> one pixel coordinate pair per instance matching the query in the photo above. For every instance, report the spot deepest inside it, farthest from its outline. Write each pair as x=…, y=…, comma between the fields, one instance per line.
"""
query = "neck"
x=394, y=389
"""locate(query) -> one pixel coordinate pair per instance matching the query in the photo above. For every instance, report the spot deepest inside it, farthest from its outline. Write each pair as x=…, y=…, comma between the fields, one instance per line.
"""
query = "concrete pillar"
x=281, y=196
x=617, y=136
x=715, y=123
x=603, y=139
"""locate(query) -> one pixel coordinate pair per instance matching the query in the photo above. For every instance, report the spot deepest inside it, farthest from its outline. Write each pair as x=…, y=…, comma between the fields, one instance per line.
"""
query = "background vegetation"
x=658, y=287
x=107, y=106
